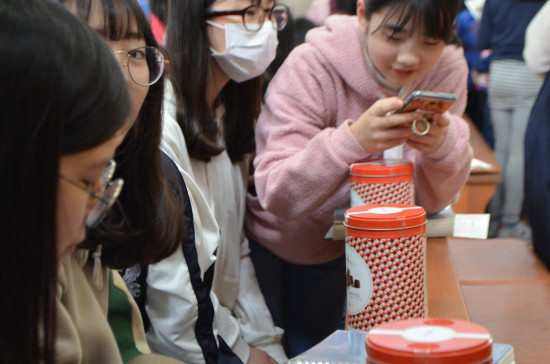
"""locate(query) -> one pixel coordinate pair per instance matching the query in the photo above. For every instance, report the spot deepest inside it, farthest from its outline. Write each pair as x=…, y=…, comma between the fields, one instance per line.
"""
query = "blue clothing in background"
x=476, y=107
x=466, y=29
x=503, y=26
x=145, y=7
x=537, y=173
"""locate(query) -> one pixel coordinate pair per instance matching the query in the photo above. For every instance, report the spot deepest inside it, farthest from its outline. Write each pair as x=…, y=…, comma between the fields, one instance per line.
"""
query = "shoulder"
x=332, y=51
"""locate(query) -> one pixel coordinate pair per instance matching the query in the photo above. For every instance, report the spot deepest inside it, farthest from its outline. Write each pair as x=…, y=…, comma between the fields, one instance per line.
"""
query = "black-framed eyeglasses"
x=145, y=64
x=106, y=195
x=254, y=16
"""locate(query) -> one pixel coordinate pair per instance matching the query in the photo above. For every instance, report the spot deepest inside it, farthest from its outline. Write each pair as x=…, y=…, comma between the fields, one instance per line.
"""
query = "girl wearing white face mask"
x=219, y=50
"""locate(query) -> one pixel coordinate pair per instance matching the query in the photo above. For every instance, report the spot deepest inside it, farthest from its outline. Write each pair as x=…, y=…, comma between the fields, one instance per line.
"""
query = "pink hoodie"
x=305, y=148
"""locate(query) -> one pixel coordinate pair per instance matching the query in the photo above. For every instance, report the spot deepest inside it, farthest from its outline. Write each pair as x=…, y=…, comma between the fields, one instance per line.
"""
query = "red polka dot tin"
x=382, y=181
x=385, y=264
x=429, y=341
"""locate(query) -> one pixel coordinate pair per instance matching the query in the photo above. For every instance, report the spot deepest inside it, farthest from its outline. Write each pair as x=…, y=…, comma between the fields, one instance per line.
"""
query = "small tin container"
x=385, y=264
x=382, y=181
x=429, y=341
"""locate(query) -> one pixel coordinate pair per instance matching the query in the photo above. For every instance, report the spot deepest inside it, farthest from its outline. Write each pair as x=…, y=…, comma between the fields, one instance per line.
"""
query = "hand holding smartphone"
x=427, y=103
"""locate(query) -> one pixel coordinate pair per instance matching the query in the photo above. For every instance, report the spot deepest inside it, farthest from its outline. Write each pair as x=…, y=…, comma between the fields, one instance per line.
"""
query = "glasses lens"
x=253, y=17
x=279, y=16
x=104, y=203
x=145, y=65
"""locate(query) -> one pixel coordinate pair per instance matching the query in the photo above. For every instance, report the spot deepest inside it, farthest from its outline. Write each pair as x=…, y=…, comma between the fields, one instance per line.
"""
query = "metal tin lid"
x=385, y=217
x=382, y=168
x=431, y=340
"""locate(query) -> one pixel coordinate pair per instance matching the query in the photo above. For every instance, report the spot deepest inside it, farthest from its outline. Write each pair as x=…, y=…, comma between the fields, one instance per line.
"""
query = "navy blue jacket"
x=503, y=25
x=537, y=172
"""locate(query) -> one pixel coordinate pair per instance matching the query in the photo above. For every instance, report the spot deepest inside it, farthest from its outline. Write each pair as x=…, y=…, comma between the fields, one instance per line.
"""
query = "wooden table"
x=506, y=289
x=481, y=184
x=445, y=297
x=497, y=283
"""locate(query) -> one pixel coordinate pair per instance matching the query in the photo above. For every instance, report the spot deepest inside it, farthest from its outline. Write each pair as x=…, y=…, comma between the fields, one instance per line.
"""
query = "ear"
x=361, y=15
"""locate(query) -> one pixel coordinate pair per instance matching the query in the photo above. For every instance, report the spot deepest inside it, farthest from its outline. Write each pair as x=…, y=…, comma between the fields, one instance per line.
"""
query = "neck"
x=217, y=80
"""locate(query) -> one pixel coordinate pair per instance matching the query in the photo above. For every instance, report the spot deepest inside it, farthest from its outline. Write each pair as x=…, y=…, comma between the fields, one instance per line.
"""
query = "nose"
x=409, y=55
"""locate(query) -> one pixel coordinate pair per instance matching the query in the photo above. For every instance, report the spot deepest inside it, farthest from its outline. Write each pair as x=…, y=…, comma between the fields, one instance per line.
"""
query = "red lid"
x=382, y=168
x=430, y=341
x=385, y=216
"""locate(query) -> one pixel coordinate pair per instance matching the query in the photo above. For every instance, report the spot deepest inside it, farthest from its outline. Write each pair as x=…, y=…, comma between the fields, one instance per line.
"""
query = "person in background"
x=512, y=91
x=536, y=51
x=476, y=108
x=220, y=50
x=326, y=108
x=145, y=6
x=56, y=139
x=319, y=10
x=537, y=148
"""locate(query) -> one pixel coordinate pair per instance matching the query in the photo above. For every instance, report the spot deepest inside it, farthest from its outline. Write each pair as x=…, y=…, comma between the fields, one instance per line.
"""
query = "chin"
x=65, y=253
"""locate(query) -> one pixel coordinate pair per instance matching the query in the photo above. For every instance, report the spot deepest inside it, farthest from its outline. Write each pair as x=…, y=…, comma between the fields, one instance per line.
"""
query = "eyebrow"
x=399, y=29
x=101, y=164
x=131, y=35
x=391, y=28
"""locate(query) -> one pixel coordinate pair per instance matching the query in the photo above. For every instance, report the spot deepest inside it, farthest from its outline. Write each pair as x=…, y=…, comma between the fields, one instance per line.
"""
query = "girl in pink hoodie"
x=326, y=108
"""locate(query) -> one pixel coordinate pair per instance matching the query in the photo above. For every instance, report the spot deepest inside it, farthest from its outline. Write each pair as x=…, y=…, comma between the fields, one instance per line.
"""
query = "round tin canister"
x=429, y=341
x=382, y=181
x=385, y=264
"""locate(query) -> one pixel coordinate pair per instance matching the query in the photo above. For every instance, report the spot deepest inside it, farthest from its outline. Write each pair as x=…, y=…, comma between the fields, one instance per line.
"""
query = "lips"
x=403, y=73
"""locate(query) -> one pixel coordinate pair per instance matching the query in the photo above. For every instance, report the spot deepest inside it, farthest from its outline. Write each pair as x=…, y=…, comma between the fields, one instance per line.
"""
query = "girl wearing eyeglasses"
x=146, y=213
x=146, y=224
x=220, y=48
x=60, y=127
x=330, y=105
x=132, y=237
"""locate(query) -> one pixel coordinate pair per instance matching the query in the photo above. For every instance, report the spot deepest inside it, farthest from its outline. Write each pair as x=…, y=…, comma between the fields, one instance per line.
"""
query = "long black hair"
x=160, y=9
x=52, y=105
x=187, y=41
x=146, y=224
x=436, y=16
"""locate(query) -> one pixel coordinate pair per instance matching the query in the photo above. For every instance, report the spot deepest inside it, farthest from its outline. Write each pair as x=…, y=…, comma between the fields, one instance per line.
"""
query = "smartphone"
x=428, y=102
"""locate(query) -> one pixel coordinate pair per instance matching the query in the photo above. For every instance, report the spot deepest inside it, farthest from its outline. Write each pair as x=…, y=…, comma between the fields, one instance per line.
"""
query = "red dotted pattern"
x=397, y=268
x=379, y=193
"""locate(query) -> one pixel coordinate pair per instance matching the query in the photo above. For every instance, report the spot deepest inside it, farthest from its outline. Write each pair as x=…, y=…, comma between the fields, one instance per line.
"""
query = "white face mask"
x=247, y=54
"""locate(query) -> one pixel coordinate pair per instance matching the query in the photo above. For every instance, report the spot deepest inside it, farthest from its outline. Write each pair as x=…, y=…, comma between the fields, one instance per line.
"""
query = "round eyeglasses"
x=254, y=16
x=145, y=64
x=106, y=195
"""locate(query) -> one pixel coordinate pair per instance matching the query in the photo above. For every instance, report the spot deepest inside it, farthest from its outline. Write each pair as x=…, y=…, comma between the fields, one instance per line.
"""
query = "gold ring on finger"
x=426, y=126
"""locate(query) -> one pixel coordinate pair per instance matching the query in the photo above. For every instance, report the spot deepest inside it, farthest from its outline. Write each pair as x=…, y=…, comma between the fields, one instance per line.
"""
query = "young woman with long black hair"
x=60, y=127
x=220, y=48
